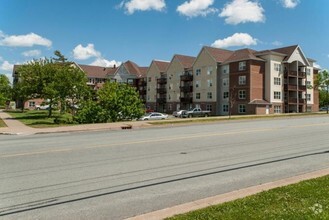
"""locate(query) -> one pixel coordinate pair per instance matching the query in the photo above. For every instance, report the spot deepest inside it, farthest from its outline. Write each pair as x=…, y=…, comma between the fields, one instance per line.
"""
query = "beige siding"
x=153, y=74
x=174, y=71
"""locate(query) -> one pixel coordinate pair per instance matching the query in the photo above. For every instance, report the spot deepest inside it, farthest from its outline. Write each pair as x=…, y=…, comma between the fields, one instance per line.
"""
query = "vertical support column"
x=297, y=87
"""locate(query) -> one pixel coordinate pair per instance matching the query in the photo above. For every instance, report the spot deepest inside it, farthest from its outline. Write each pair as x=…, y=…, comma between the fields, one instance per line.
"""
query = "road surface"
x=119, y=174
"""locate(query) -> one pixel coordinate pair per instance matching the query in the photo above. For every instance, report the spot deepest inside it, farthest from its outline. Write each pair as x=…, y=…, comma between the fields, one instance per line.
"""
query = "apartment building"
x=178, y=66
x=156, y=91
x=240, y=82
x=132, y=74
x=96, y=75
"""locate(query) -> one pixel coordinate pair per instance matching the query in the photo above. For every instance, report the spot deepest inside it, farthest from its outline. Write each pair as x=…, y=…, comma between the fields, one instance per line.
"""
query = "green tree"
x=5, y=89
x=120, y=101
x=322, y=83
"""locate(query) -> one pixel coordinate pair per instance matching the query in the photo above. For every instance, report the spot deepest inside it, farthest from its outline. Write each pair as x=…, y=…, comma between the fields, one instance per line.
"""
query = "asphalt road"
x=119, y=174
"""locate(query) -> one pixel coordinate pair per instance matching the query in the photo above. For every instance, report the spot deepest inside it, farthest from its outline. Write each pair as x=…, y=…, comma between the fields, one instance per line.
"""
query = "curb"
x=226, y=197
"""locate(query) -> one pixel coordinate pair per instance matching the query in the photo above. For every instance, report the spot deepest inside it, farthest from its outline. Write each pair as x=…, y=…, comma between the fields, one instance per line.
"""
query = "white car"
x=179, y=114
x=42, y=107
x=154, y=116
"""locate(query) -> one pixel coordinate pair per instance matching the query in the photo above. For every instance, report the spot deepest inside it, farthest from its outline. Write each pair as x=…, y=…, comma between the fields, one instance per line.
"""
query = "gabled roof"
x=96, y=71
x=162, y=65
x=219, y=55
x=186, y=61
x=259, y=102
x=133, y=69
x=243, y=54
x=286, y=50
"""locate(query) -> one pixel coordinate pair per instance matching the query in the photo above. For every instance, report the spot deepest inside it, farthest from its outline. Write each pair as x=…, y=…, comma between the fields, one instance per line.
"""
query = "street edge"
x=226, y=197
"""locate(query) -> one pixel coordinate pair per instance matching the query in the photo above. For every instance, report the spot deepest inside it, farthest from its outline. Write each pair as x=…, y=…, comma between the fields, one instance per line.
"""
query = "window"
x=197, y=95
x=198, y=72
x=242, y=65
x=148, y=98
x=308, y=83
x=242, y=80
x=170, y=107
x=277, y=95
x=308, y=71
x=32, y=104
x=277, y=109
x=210, y=69
x=308, y=97
x=242, y=94
x=209, y=95
x=150, y=79
x=197, y=84
x=170, y=86
x=277, y=81
x=209, y=107
x=225, y=95
x=169, y=97
x=148, y=89
x=209, y=81
x=242, y=108
x=277, y=67
x=225, y=82
x=225, y=108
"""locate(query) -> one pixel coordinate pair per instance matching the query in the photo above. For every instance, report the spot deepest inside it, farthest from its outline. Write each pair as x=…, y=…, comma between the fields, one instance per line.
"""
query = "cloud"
x=277, y=43
x=28, y=40
x=105, y=63
x=290, y=3
x=237, y=39
x=142, y=5
x=243, y=11
x=6, y=66
x=194, y=8
x=32, y=53
x=84, y=53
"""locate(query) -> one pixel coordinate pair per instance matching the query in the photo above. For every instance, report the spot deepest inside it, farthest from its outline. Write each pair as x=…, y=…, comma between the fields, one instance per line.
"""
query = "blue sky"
x=107, y=32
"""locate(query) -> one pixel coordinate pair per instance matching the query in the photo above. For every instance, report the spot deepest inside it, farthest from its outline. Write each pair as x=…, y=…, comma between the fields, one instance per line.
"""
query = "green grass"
x=2, y=124
x=305, y=200
x=39, y=119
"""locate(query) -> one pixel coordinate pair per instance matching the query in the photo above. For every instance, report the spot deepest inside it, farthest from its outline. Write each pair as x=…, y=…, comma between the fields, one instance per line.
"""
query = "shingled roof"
x=162, y=65
x=97, y=71
x=134, y=69
x=286, y=50
x=243, y=54
x=186, y=61
x=220, y=55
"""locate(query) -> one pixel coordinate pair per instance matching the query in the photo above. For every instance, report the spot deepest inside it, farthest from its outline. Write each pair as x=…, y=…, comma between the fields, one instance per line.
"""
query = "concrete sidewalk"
x=15, y=127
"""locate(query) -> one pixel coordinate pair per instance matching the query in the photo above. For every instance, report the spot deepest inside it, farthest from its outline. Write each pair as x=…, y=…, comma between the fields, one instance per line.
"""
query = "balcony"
x=162, y=80
x=186, y=77
x=161, y=90
x=142, y=92
x=292, y=73
x=186, y=89
x=294, y=87
x=161, y=100
x=294, y=101
x=142, y=83
x=186, y=99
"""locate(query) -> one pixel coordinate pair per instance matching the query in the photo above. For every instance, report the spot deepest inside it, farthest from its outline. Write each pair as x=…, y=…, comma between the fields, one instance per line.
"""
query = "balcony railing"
x=294, y=87
x=142, y=83
x=161, y=100
x=187, y=88
x=142, y=92
x=294, y=101
x=161, y=90
x=186, y=99
x=162, y=80
x=292, y=73
x=186, y=77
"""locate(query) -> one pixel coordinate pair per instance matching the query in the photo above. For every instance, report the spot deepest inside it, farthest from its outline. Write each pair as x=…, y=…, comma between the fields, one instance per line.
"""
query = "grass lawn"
x=2, y=124
x=305, y=200
x=39, y=119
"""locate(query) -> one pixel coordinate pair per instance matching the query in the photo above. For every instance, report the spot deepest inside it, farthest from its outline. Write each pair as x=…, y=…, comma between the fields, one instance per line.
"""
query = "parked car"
x=154, y=116
x=178, y=114
x=42, y=107
x=196, y=112
x=324, y=108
